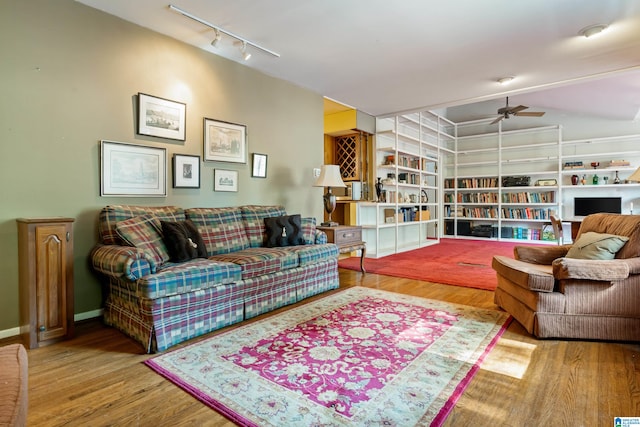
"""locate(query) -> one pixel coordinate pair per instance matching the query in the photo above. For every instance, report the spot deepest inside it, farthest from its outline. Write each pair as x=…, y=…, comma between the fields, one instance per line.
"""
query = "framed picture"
x=161, y=117
x=259, y=165
x=225, y=180
x=186, y=171
x=132, y=170
x=225, y=142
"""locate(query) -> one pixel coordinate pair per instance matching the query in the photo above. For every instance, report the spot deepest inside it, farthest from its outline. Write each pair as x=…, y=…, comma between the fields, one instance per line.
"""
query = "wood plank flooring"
x=97, y=379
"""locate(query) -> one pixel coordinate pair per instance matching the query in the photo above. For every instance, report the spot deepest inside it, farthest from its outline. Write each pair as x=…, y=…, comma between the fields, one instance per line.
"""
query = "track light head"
x=215, y=41
x=242, y=45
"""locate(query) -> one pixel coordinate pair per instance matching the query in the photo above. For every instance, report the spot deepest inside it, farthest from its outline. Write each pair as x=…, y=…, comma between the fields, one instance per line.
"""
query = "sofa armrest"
x=589, y=269
x=122, y=261
x=321, y=237
x=543, y=255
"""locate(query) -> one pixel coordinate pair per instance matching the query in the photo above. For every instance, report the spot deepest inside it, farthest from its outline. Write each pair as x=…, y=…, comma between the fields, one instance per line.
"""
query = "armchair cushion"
x=592, y=246
x=589, y=269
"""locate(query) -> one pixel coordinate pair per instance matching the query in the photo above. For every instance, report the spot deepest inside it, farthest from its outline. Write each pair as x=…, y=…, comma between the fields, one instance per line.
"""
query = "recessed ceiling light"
x=592, y=30
x=505, y=80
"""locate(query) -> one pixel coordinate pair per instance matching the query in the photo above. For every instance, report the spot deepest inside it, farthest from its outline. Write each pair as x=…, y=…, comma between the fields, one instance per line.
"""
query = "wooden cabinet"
x=348, y=238
x=45, y=251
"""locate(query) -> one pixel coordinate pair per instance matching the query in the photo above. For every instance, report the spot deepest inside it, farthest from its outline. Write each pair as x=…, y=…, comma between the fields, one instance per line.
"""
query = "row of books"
x=529, y=197
x=526, y=213
x=490, y=212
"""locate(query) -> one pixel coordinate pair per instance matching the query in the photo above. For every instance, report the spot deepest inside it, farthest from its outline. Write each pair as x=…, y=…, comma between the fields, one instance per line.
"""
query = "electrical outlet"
x=316, y=172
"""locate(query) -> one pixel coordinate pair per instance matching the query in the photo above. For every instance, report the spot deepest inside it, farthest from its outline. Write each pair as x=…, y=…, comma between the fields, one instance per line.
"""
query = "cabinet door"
x=51, y=245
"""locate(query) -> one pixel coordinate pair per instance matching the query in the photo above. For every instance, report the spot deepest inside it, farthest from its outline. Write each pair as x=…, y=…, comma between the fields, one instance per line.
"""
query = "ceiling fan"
x=507, y=111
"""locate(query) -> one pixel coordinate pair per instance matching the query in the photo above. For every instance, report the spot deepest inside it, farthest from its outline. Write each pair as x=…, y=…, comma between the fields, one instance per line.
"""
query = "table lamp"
x=329, y=177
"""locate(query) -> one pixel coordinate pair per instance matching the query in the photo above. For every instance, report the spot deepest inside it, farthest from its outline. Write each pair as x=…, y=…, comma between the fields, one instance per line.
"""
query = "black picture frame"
x=161, y=117
x=186, y=171
x=258, y=165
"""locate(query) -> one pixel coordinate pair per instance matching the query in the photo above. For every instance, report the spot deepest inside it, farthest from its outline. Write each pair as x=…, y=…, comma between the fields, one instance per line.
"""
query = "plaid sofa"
x=160, y=303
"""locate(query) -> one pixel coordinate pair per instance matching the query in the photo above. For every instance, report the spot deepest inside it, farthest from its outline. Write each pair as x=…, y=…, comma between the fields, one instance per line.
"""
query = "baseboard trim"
x=8, y=333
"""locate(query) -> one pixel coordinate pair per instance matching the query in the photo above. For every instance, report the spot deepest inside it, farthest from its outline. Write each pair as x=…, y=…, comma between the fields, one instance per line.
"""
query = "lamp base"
x=329, y=224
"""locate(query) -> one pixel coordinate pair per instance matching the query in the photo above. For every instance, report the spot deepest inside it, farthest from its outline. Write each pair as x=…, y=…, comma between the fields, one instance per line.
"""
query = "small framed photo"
x=132, y=170
x=186, y=171
x=225, y=180
x=161, y=117
x=224, y=142
x=259, y=165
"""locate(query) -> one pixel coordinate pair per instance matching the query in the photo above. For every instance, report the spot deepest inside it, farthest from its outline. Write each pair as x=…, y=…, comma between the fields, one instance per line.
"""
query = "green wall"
x=69, y=75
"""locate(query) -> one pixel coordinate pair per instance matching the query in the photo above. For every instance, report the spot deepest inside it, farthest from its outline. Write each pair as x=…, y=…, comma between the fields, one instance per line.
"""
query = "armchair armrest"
x=122, y=261
x=543, y=255
x=589, y=269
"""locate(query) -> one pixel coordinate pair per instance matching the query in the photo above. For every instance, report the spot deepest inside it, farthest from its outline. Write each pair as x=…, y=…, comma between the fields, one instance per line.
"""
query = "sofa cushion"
x=183, y=241
x=112, y=214
x=619, y=225
x=258, y=261
x=222, y=229
x=143, y=232
x=312, y=254
x=174, y=279
x=592, y=245
x=253, y=217
x=283, y=231
x=309, y=230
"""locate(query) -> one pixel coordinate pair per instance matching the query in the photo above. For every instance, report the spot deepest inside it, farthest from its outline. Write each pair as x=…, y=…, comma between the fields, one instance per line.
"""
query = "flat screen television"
x=583, y=206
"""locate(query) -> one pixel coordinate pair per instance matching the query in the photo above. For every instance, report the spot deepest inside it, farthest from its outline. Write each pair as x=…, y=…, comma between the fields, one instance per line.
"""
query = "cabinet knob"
x=68, y=236
x=42, y=328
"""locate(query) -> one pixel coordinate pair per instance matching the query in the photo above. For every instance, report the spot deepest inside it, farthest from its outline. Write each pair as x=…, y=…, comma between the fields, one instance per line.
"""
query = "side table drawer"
x=344, y=235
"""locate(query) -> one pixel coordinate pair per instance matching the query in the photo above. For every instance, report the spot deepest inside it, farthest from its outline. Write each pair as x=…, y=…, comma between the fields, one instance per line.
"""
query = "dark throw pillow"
x=283, y=231
x=183, y=241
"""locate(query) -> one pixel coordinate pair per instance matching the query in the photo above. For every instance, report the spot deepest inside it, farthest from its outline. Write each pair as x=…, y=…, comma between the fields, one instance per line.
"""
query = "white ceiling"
x=385, y=57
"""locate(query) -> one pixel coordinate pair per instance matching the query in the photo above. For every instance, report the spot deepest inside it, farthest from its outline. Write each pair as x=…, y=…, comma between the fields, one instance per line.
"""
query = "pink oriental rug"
x=357, y=357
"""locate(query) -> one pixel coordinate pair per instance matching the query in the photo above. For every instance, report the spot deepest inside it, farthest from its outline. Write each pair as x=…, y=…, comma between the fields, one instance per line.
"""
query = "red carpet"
x=457, y=262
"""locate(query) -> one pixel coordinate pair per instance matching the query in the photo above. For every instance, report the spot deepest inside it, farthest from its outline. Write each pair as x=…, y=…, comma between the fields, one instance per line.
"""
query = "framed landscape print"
x=225, y=180
x=132, y=170
x=186, y=171
x=161, y=117
x=259, y=165
x=225, y=142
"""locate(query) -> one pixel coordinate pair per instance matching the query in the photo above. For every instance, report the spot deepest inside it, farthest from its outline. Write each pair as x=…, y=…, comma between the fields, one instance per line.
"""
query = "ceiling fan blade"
x=530, y=113
x=518, y=108
x=497, y=120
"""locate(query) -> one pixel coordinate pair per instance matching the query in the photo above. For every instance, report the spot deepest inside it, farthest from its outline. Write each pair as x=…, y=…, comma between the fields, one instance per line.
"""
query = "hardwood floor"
x=97, y=379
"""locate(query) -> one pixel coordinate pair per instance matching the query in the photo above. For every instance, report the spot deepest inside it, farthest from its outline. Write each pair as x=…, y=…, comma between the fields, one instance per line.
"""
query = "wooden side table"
x=348, y=238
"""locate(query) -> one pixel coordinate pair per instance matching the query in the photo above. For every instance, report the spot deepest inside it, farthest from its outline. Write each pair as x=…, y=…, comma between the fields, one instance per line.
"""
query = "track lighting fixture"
x=215, y=41
x=219, y=31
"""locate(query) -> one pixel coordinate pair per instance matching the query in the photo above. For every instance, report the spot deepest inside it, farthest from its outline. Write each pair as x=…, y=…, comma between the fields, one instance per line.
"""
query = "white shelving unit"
x=480, y=198
x=408, y=152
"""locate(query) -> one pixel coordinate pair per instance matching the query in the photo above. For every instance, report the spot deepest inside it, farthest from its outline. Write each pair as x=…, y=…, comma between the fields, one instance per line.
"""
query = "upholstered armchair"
x=586, y=290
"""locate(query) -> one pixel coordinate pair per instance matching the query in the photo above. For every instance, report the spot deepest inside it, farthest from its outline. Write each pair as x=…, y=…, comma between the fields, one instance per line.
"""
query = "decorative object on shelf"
x=634, y=176
x=606, y=179
x=186, y=171
x=224, y=142
x=378, y=189
x=330, y=177
x=616, y=180
x=583, y=181
x=574, y=179
x=516, y=181
x=225, y=180
x=161, y=117
x=595, y=165
x=259, y=165
x=595, y=178
x=546, y=182
x=132, y=170
x=424, y=197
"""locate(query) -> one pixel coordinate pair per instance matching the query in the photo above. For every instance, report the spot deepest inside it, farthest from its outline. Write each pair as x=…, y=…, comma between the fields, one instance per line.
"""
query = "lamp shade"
x=329, y=177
